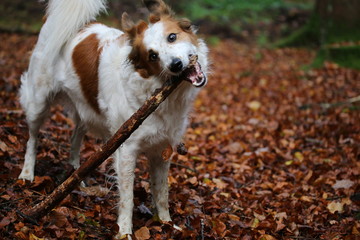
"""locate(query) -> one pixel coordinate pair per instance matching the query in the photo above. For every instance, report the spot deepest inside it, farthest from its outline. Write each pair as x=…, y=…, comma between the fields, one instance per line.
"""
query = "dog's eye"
x=171, y=37
x=153, y=56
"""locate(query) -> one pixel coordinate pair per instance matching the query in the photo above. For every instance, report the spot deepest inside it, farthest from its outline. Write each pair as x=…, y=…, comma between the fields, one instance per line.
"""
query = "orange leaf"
x=142, y=234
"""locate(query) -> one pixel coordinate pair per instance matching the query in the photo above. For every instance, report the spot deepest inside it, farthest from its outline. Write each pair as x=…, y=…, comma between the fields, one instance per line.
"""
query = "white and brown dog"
x=104, y=75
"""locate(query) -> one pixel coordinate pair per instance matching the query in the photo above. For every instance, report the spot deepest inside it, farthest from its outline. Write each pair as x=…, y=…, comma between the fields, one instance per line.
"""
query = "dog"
x=103, y=75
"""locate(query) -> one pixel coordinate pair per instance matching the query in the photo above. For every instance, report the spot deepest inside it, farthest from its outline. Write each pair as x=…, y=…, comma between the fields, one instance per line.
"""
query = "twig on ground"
x=183, y=166
x=331, y=105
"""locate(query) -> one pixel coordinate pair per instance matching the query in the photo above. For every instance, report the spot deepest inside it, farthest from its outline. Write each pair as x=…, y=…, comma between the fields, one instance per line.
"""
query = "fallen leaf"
x=266, y=237
x=259, y=216
x=234, y=148
x=166, y=154
x=281, y=216
x=219, y=183
x=279, y=226
x=219, y=227
x=33, y=237
x=59, y=218
x=4, y=147
x=255, y=223
x=299, y=156
x=193, y=180
x=142, y=234
x=95, y=191
x=254, y=105
x=335, y=207
x=4, y=222
x=306, y=199
x=346, y=184
x=12, y=138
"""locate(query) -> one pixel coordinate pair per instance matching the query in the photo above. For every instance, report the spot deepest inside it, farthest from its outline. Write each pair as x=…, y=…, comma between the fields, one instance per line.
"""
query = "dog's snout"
x=176, y=65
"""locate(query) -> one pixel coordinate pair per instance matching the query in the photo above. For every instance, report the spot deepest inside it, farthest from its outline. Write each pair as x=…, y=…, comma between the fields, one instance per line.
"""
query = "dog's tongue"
x=194, y=74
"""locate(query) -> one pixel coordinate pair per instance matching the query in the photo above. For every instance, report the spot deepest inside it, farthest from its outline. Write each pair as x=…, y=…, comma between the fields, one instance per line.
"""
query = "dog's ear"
x=158, y=8
x=141, y=27
x=185, y=25
x=126, y=23
x=130, y=28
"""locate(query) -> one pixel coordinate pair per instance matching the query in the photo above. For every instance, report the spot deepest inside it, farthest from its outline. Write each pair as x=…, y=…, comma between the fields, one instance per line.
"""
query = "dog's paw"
x=75, y=162
x=164, y=216
x=26, y=174
x=120, y=236
x=125, y=230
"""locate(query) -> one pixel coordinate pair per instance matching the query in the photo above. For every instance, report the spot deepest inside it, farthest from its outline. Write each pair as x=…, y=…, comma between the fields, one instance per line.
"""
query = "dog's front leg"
x=125, y=161
x=159, y=169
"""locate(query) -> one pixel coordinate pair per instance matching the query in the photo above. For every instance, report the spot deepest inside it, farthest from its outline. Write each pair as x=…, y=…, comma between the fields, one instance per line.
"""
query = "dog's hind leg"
x=36, y=106
x=76, y=140
x=158, y=169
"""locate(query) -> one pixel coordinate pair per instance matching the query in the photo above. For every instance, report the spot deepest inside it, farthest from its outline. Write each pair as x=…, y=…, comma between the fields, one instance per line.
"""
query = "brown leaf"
x=4, y=222
x=59, y=218
x=166, y=154
x=266, y=237
x=234, y=148
x=219, y=183
x=335, y=207
x=142, y=234
x=41, y=180
x=4, y=147
x=219, y=227
x=12, y=138
x=279, y=226
x=95, y=191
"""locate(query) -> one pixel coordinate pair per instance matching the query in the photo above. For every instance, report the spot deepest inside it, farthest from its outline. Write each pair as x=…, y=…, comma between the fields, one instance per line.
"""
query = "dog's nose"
x=176, y=65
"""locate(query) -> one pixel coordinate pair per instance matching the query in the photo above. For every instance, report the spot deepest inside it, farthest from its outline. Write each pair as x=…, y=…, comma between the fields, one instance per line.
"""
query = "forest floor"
x=273, y=154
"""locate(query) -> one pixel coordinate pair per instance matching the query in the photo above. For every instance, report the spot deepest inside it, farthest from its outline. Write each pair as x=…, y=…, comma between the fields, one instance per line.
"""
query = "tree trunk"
x=331, y=21
x=339, y=11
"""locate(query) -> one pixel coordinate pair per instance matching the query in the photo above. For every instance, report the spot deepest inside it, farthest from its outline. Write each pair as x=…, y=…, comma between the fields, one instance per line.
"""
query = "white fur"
x=121, y=92
x=153, y=39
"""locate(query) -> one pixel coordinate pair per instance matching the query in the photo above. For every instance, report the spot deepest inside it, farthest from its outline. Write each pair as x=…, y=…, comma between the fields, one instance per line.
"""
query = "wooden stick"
x=42, y=208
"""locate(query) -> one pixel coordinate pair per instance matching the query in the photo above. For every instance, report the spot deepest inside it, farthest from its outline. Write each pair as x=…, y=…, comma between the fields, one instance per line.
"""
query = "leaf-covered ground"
x=273, y=154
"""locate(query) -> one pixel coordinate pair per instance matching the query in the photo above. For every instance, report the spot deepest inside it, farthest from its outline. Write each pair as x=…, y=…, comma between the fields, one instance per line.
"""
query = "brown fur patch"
x=154, y=18
x=181, y=28
x=86, y=57
x=139, y=55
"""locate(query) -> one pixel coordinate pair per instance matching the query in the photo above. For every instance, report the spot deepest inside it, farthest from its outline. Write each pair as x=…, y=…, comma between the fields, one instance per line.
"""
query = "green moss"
x=348, y=56
x=345, y=56
x=309, y=35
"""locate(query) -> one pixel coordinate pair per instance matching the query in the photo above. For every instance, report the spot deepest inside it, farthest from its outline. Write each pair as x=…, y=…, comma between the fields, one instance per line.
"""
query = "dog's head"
x=164, y=46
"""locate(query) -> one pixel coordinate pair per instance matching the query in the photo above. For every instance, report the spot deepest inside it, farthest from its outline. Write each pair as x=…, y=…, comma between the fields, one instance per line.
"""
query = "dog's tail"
x=64, y=18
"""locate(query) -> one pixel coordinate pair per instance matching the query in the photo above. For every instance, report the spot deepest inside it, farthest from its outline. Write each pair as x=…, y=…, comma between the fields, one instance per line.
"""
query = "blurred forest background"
x=331, y=26
x=273, y=141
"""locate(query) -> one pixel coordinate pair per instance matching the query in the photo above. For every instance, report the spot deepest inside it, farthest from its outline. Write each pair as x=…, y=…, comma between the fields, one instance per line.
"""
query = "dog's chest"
x=169, y=121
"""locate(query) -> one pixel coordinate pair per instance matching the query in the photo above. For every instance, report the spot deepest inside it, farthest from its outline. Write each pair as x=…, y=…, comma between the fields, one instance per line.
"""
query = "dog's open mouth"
x=194, y=74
